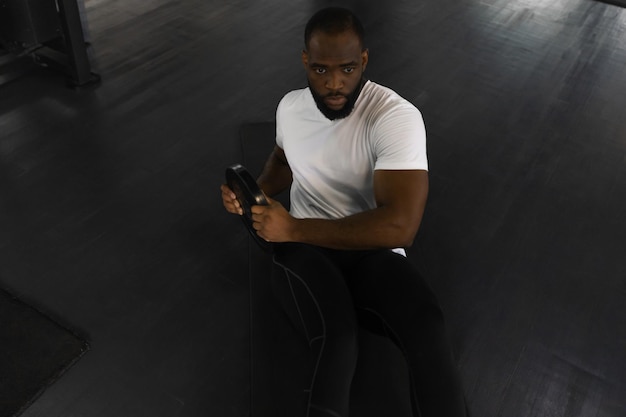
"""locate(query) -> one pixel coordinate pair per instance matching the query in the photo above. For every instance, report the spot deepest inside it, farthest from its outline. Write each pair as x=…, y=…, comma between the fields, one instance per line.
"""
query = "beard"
x=345, y=110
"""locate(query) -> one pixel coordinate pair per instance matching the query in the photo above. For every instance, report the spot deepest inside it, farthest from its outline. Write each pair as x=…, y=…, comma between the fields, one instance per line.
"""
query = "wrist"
x=296, y=230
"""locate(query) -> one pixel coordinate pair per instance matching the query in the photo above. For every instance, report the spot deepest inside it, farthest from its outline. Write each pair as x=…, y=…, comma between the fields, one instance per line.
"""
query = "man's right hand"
x=229, y=199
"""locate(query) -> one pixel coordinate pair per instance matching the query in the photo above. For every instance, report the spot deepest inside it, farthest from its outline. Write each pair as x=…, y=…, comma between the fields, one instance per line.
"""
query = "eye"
x=348, y=70
x=319, y=70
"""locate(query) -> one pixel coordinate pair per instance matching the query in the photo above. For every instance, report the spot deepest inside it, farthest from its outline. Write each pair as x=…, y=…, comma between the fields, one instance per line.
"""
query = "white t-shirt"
x=333, y=162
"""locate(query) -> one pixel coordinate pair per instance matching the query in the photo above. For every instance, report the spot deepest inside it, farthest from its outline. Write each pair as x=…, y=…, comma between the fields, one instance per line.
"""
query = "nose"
x=334, y=81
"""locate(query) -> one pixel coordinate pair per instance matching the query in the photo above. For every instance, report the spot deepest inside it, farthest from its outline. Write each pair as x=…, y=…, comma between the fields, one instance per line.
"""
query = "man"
x=354, y=154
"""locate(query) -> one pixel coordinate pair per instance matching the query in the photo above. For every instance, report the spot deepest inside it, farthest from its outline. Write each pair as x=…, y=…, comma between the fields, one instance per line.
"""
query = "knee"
x=341, y=335
x=428, y=315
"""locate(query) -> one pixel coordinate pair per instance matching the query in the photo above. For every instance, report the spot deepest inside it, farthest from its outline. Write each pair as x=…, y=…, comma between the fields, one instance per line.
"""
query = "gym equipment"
x=51, y=33
x=248, y=194
x=26, y=24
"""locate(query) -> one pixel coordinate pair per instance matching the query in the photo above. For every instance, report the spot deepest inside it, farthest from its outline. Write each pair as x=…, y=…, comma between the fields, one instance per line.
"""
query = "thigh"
x=395, y=300
x=390, y=284
x=312, y=291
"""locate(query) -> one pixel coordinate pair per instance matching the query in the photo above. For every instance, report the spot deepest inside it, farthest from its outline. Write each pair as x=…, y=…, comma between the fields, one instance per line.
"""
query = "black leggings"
x=323, y=292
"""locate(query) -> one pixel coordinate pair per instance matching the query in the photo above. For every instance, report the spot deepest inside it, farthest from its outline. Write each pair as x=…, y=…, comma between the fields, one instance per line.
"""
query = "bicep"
x=276, y=174
x=403, y=193
x=279, y=154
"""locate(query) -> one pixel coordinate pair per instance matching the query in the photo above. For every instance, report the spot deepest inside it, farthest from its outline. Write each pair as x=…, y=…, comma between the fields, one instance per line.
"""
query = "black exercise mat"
x=34, y=352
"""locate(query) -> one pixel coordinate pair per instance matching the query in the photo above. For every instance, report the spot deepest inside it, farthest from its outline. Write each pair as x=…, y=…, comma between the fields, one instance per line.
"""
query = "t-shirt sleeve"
x=279, y=129
x=400, y=140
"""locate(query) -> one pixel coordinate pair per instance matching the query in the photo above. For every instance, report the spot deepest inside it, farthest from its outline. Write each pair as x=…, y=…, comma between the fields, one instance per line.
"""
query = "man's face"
x=334, y=66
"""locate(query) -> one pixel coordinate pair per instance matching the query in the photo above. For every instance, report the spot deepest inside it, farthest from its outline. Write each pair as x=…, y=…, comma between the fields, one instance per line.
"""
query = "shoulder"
x=295, y=99
x=383, y=108
x=397, y=134
x=383, y=102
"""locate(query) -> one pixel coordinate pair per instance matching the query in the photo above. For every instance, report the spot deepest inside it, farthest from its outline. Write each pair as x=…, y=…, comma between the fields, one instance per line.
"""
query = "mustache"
x=350, y=98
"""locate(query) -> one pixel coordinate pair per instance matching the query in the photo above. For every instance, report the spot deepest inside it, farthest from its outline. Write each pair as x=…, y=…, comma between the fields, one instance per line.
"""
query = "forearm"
x=374, y=229
x=401, y=200
x=276, y=176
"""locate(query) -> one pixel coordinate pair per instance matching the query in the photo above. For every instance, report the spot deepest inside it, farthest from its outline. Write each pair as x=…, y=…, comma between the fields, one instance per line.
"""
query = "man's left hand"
x=273, y=222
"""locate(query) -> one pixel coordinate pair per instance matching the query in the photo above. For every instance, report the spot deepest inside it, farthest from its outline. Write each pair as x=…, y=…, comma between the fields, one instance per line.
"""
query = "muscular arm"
x=400, y=197
x=276, y=175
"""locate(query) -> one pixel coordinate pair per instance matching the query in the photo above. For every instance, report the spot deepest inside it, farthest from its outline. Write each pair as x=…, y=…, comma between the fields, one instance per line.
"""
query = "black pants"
x=325, y=292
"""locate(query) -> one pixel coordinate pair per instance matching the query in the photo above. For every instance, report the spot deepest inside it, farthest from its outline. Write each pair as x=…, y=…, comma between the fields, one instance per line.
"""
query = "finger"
x=262, y=235
x=226, y=191
x=233, y=209
x=228, y=195
x=258, y=209
x=229, y=198
x=230, y=201
x=232, y=206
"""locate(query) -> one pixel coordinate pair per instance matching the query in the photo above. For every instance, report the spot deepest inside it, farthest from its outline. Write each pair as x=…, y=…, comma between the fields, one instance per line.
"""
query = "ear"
x=305, y=59
x=365, y=56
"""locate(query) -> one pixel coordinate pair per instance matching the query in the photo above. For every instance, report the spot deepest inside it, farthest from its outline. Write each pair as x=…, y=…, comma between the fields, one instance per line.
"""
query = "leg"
x=313, y=293
x=387, y=287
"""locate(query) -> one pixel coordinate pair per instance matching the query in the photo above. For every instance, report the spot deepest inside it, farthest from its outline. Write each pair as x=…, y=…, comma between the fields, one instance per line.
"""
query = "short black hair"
x=334, y=20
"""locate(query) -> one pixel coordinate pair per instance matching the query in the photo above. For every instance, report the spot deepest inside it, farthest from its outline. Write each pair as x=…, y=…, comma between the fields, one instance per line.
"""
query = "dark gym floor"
x=111, y=219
